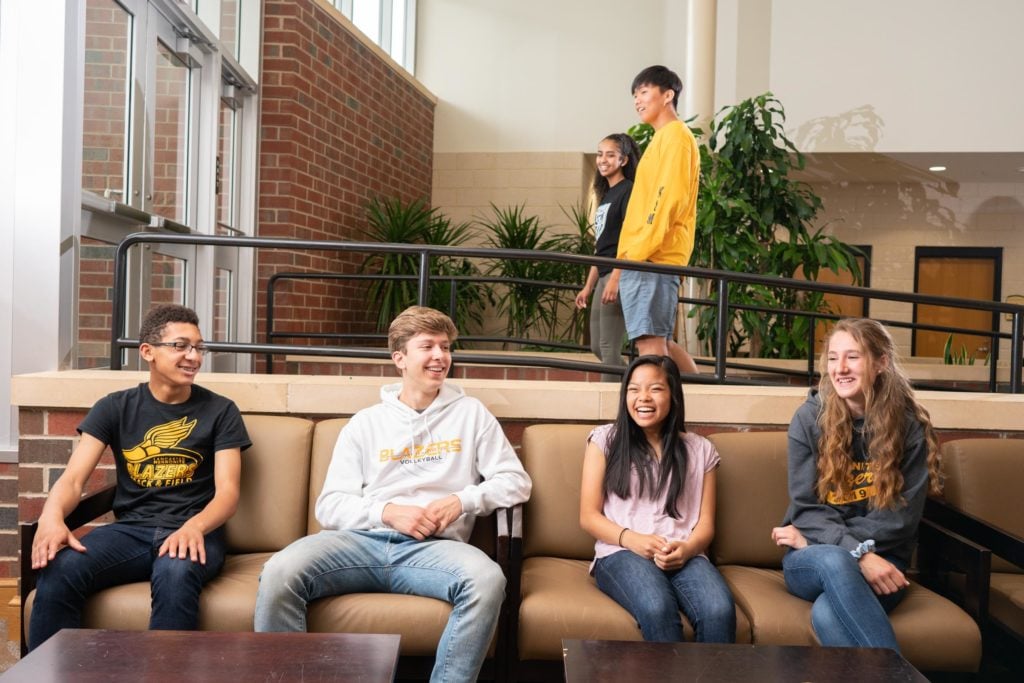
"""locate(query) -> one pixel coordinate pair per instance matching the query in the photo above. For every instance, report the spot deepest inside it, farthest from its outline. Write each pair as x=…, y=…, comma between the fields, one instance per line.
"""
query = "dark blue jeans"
x=654, y=597
x=117, y=554
x=846, y=612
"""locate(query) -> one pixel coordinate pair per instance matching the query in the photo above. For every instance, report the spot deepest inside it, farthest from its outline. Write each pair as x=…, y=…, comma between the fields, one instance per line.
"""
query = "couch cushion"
x=419, y=620
x=274, y=488
x=752, y=497
x=561, y=600
x=553, y=456
x=1006, y=600
x=227, y=603
x=325, y=435
x=933, y=633
x=984, y=478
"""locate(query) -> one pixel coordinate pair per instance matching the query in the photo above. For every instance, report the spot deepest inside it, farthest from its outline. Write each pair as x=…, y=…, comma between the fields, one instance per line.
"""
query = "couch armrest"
x=1003, y=543
x=940, y=550
x=510, y=541
x=89, y=508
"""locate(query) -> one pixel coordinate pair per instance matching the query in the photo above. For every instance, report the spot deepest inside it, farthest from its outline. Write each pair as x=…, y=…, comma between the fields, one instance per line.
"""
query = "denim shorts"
x=649, y=303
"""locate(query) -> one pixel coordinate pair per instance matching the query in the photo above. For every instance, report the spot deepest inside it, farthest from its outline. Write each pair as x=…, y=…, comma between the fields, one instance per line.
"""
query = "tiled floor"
x=10, y=637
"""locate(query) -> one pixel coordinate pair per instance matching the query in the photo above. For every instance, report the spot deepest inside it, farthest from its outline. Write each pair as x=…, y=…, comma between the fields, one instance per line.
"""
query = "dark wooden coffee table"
x=89, y=655
x=594, y=661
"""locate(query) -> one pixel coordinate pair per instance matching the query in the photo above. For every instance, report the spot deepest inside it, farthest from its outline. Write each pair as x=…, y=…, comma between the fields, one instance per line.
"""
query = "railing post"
x=810, y=350
x=1016, y=337
x=117, y=316
x=424, y=277
x=269, y=358
x=722, y=329
x=993, y=362
x=453, y=283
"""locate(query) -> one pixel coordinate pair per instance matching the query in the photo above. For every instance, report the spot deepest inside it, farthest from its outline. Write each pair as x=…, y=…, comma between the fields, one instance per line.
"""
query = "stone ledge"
x=507, y=399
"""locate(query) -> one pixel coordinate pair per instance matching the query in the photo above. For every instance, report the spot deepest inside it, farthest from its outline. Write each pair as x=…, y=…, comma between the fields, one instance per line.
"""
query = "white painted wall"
x=40, y=139
x=880, y=75
x=540, y=75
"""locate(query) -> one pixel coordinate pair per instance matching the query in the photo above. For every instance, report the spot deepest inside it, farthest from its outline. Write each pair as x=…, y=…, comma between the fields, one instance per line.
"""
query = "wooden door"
x=967, y=273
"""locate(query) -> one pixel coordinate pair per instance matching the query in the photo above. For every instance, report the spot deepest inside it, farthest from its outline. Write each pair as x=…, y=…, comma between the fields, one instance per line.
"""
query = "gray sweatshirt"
x=848, y=522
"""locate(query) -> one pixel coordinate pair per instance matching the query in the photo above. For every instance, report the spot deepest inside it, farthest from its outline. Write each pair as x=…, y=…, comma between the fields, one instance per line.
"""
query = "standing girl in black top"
x=617, y=158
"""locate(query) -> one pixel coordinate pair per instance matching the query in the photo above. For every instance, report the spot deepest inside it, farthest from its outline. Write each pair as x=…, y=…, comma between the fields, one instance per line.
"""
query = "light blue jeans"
x=384, y=561
x=846, y=611
x=654, y=597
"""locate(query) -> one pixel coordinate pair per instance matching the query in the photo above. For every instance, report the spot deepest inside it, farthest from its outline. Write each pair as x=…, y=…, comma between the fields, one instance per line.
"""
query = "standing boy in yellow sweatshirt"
x=660, y=219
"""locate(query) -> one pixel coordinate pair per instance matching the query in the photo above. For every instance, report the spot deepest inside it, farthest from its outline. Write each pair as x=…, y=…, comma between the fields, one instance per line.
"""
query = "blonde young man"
x=406, y=482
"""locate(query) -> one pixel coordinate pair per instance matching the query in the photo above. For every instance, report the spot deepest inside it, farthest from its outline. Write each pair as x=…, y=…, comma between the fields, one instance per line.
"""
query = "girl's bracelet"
x=624, y=530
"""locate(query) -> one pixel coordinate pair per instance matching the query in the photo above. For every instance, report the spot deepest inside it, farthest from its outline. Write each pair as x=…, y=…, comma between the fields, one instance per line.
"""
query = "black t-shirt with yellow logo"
x=164, y=453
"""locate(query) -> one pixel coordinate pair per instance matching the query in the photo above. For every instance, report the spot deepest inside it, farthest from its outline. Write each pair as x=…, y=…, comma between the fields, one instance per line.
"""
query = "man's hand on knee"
x=48, y=540
x=185, y=543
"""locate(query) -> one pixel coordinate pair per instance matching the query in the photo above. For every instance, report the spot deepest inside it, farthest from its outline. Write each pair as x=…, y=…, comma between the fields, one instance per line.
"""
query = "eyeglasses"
x=183, y=347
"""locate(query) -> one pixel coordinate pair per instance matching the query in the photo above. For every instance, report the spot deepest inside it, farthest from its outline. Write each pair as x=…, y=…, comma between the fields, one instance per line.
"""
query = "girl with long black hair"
x=648, y=498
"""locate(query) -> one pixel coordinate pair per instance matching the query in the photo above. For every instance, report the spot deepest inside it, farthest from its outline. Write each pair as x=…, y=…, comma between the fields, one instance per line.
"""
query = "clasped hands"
x=423, y=522
x=666, y=554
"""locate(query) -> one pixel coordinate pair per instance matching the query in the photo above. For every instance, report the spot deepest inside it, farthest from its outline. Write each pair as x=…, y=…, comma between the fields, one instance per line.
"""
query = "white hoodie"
x=390, y=453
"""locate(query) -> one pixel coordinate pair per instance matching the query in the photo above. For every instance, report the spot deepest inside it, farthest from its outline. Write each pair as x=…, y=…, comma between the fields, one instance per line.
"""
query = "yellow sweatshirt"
x=662, y=212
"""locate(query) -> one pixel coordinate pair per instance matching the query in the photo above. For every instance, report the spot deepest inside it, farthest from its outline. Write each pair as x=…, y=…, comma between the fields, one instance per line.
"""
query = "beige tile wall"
x=465, y=184
x=894, y=218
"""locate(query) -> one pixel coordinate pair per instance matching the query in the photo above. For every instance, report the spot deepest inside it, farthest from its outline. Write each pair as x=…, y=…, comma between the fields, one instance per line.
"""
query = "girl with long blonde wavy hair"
x=862, y=459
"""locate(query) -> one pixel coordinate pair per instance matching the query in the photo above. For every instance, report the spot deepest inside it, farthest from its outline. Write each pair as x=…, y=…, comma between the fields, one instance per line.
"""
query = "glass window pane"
x=226, y=167
x=170, y=154
x=366, y=17
x=398, y=31
x=108, y=30
x=167, y=280
x=229, y=26
x=222, y=294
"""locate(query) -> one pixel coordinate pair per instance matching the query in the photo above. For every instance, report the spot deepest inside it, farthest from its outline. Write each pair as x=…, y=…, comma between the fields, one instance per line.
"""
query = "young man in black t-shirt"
x=177, y=449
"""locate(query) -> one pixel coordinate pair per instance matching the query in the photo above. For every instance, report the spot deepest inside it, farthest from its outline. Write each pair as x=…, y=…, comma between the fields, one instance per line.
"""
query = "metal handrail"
x=425, y=252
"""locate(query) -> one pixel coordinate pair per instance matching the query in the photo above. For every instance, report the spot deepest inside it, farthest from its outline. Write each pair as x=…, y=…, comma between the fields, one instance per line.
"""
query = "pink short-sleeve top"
x=647, y=515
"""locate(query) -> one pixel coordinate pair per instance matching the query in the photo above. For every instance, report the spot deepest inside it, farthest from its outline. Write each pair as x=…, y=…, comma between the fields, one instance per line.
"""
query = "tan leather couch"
x=282, y=475
x=558, y=599
x=984, y=480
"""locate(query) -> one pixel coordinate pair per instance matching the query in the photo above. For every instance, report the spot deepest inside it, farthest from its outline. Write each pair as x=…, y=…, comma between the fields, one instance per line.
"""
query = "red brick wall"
x=46, y=441
x=339, y=126
x=95, y=307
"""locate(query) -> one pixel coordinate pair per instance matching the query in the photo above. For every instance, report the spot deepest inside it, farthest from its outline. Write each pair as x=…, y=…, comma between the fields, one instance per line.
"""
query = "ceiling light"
x=937, y=169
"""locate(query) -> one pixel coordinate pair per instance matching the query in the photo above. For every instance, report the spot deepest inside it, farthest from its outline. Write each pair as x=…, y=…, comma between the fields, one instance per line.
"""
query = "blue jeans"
x=654, y=597
x=846, y=611
x=383, y=561
x=117, y=554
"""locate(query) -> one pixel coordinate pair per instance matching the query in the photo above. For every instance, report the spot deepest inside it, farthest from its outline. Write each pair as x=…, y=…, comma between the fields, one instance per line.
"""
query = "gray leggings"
x=607, y=330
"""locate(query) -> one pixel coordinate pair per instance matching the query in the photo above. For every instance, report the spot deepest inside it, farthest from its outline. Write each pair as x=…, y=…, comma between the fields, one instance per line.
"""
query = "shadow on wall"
x=893, y=194
x=1003, y=206
x=857, y=130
